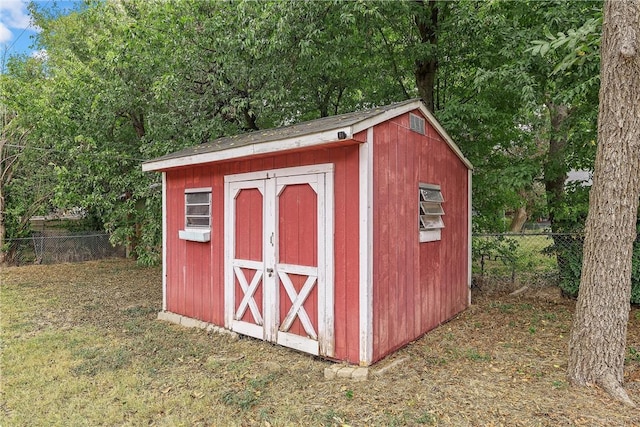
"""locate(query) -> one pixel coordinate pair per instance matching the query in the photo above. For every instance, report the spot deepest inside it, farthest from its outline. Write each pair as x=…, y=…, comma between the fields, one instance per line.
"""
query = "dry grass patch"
x=81, y=346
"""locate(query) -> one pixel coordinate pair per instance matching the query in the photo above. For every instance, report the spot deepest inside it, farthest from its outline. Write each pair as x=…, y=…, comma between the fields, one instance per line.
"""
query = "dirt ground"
x=501, y=362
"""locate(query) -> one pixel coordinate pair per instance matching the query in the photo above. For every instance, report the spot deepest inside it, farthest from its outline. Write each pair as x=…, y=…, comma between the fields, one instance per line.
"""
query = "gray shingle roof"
x=285, y=132
x=258, y=141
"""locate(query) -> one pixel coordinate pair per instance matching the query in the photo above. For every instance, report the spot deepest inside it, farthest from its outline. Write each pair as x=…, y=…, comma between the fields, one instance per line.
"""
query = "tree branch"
x=393, y=63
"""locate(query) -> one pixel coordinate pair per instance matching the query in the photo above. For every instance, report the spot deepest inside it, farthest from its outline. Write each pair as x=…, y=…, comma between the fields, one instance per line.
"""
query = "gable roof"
x=306, y=134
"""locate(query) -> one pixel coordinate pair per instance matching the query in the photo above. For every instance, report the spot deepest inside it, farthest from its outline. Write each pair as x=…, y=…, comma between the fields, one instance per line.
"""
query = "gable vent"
x=416, y=123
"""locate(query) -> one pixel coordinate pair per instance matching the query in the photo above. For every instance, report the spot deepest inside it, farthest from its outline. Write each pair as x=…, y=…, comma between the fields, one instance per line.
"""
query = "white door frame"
x=271, y=183
x=233, y=269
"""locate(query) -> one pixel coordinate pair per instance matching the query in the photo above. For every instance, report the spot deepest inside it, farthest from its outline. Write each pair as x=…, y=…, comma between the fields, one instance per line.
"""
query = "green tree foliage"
x=521, y=125
x=27, y=156
x=128, y=80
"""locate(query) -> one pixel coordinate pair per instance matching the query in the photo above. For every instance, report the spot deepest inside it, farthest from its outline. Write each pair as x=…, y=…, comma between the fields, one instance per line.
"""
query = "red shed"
x=345, y=237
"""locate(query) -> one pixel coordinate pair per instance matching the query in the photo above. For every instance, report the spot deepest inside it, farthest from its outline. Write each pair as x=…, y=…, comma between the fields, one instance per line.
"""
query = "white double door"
x=279, y=256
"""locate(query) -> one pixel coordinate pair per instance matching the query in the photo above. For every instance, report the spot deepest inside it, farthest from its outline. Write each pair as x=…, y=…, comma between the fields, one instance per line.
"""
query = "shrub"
x=568, y=250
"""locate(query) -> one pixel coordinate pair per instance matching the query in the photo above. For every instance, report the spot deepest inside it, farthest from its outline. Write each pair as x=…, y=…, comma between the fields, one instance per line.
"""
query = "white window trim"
x=196, y=234
x=429, y=235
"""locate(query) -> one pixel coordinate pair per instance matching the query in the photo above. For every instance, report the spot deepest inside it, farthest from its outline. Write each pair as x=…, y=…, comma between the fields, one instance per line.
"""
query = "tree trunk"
x=5, y=177
x=519, y=218
x=555, y=176
x=598, y=338
x=426, y=68
x=555, y=167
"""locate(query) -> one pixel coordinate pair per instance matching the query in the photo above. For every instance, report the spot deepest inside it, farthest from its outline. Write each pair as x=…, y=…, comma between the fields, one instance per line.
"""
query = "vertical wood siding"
x=195, y=271
x=417, y=286
x=190, y=269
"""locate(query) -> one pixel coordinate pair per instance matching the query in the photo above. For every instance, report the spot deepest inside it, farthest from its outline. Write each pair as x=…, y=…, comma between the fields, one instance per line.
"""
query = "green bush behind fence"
x=536, y=259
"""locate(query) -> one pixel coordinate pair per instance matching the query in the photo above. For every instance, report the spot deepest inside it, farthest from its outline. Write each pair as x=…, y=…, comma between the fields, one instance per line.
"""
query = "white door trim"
x=271, y=183
x=271, y=173
x=233, y=266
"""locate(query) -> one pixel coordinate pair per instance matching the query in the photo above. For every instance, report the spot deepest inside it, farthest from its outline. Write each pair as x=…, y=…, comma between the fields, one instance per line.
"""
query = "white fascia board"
x=446, y=136
x=302, y=141
x=365, y=124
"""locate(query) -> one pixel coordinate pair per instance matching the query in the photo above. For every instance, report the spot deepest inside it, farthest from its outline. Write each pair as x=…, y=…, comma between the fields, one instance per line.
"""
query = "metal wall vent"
x=416, y=123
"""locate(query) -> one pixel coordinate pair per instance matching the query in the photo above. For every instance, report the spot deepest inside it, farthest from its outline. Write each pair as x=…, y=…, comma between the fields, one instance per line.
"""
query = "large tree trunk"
x=426, y=68
x=598, y=338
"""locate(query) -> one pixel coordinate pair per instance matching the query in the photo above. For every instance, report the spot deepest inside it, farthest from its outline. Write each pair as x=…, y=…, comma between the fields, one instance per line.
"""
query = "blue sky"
x=16, y=28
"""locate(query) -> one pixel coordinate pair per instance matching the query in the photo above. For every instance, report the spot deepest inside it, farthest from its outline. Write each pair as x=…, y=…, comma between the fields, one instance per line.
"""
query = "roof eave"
x=297, y=142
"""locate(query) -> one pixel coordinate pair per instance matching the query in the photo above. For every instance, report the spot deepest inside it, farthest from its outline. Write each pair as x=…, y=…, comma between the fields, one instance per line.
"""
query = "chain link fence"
x=500, y=261
x=510, y=261
x=47, y=249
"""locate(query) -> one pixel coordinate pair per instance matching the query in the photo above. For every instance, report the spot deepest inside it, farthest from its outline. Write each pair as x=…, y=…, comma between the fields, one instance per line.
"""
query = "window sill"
x=195, y=235
x=430, y=236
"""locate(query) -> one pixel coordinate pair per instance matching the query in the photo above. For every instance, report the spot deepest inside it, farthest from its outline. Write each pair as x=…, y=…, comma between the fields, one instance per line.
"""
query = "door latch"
x=270, y=271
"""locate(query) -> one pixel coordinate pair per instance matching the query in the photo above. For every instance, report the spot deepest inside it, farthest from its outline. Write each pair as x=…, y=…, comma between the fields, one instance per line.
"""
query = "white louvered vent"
x=416, y=123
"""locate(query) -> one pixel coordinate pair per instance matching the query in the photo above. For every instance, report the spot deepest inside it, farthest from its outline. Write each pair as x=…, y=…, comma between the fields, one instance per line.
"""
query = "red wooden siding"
x=417, y=286
x=192, y=294
x=195, y=271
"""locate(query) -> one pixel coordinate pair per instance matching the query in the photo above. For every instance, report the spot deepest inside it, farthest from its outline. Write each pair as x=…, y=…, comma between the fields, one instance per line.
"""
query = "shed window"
x=416, y=123
x=197, y=208
x=430, y=212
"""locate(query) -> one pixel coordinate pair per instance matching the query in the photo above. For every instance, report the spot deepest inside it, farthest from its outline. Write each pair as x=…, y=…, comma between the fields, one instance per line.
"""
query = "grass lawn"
x=81, y=346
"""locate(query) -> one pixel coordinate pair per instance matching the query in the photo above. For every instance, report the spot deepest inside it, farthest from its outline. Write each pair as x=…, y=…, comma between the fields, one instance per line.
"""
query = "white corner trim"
x=164, y=241
x=365, y=216
x=328, y=345
x=469, y=237
x=195, y=235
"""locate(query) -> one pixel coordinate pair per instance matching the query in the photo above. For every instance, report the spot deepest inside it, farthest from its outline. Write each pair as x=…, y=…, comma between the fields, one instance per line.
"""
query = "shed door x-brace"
x=279, y=256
